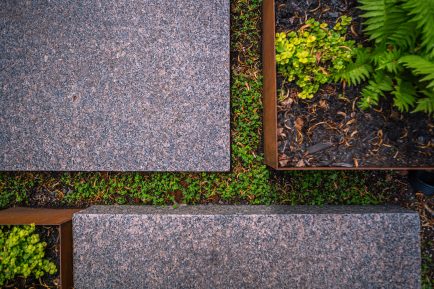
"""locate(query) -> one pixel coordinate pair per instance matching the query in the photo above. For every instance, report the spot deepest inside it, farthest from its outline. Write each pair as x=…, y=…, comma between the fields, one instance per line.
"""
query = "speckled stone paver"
x=246, y=247
x=114, y=85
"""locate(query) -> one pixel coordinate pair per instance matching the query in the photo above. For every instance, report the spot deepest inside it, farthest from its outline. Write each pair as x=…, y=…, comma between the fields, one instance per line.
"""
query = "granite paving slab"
x=114, y=85
x=246, y=247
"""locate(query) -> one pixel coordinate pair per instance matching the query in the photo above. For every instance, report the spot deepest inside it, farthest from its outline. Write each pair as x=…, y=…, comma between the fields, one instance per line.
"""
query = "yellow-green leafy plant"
x=314, y=54
x=22, y=254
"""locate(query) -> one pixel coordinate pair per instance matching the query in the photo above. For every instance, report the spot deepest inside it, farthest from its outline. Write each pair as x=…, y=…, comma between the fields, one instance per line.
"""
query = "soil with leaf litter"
x=330, y=130
x=50, y=235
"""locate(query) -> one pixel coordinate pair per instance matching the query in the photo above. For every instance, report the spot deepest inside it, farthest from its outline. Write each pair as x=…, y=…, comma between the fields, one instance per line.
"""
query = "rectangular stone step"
x=246, y=247
x=114, y=85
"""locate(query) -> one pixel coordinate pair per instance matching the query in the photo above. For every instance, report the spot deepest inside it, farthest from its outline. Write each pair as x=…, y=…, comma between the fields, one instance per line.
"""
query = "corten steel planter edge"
x=269, y=98
x=62, y=218
x=269, y=89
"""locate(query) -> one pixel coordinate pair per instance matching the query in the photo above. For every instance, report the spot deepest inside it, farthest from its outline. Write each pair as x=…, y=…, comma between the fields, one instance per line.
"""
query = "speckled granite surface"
x=114, y=85
x=246, y=247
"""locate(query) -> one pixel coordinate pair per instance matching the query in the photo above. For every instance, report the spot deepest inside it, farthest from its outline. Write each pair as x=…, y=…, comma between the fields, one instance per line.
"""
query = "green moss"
x=427, y=268
x=336, y=187
x=14, y=188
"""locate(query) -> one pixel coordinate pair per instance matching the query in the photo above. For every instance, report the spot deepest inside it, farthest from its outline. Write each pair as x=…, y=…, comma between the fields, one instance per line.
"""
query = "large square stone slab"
x=114, y=85
x=246, y=247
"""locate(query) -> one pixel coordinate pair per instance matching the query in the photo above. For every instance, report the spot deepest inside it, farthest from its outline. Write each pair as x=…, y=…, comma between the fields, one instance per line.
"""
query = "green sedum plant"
x=401, y=61
x=314, y=54
x=22, y=254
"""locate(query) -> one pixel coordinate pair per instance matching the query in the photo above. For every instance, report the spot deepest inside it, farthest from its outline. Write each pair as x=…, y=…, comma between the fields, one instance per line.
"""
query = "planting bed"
x=55, y=228
x=330, y=130
x=50, y=235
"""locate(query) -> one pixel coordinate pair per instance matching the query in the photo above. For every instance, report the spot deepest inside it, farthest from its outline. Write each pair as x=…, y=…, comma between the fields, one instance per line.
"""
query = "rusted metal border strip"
x=37, y=216
x=66, y=266
x=269, y=89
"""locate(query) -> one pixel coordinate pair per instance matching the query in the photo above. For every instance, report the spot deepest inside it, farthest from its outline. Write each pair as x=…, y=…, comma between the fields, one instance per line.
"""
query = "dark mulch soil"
x=50, y=194
x=43, y=199
x=331, y=131
x=50, y=235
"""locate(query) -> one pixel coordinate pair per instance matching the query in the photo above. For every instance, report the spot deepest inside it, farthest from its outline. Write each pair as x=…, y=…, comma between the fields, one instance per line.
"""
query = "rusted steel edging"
x=269, y=89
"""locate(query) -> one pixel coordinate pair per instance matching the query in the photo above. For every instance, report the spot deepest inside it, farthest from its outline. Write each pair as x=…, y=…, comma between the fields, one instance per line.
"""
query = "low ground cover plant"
x=314, y=54
x=22, y=254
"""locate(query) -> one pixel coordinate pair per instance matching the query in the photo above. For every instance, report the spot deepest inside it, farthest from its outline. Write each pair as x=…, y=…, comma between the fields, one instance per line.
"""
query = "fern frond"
x=383, y=17
x=375, y=89
x=358, y=71
x=420, y=66
x=404, y=95
x=426, y=104
x=422, y=13
x=404, y=35
x=386, y=59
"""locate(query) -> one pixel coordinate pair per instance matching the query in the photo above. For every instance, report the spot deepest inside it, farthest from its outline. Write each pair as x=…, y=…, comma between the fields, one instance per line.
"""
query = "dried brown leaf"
x=299, y=122
x=323, y=104
x=300, y=163
x=351, y=121
x=342, y=113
